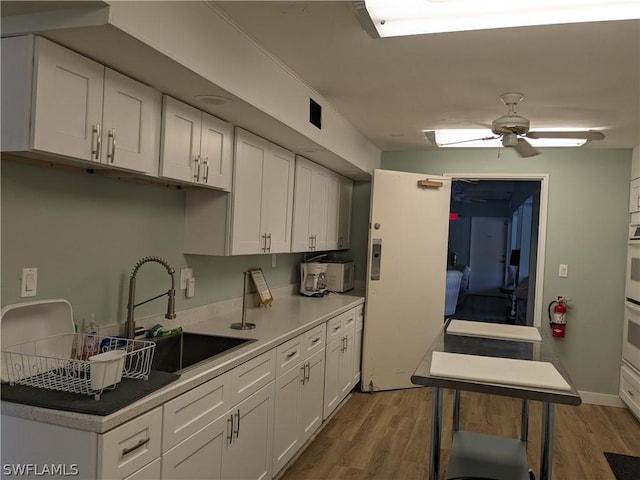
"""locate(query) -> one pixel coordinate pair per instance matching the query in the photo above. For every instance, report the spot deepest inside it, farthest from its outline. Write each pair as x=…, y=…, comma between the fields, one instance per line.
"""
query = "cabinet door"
x=301, y=240
x=249, y=160
x=311, y=397
x=332, y=386
x=130, y=124
x=180, y=147
x=288, y=409
x=344, y=213
x=309, y=206
x=68, y=102
x=332, y=209
x=357, y=345
x=215, y=153
x=345, y=375
x=200, y=455
x=277, y=198
x=248, y=456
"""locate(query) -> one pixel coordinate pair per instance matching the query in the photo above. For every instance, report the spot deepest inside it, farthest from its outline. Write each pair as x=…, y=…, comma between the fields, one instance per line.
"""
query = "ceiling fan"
x=513, y=130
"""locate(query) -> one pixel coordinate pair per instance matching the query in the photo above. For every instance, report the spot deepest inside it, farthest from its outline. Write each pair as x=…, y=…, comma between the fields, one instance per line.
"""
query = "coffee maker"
x=312, y=279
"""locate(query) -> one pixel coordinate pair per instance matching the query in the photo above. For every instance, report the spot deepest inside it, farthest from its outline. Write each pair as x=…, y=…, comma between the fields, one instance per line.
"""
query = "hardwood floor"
x=385, y=435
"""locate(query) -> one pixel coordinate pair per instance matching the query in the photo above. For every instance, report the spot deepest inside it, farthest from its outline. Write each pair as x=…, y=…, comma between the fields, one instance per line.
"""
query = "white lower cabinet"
x=247, y=455
x=339, y=366
x=299, y=394
x=150, y=471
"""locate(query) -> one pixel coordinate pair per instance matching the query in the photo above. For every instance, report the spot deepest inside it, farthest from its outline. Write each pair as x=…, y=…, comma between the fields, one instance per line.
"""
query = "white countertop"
x=288, y=317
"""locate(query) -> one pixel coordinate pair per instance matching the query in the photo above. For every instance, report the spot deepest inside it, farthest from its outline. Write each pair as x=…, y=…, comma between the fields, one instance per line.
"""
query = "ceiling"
x=579, y=75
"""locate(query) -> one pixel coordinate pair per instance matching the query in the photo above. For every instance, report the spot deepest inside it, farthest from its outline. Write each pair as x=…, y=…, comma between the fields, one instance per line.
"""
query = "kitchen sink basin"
x=179, y=352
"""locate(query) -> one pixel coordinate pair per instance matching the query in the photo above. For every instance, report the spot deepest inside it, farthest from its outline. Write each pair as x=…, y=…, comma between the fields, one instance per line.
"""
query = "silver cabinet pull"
x=205, y=177
x=292, y=354
x=304, y=373
x=196, y=162
x=631, y=394
x=269, y=237
x=95, y=142
x=127, y=451
x=307, y=367
x=112, y=141
x=264, y=242
x=315, y=340
x=230, y=429
x=237, y=432
x=310, y=242
x=335, y=329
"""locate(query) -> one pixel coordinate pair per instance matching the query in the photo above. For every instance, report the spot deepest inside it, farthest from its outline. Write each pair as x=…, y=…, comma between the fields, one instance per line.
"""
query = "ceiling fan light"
x=509, y=140
x=482, y=138
x=393, y=18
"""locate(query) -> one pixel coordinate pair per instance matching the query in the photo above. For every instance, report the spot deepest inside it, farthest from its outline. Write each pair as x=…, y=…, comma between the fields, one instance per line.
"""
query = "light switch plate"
x=185, y=275
x=29, y=282
x=563, y=270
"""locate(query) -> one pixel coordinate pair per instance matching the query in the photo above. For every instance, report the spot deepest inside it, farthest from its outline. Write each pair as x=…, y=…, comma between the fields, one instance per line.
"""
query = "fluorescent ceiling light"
x=393, y=18
x=484, y=138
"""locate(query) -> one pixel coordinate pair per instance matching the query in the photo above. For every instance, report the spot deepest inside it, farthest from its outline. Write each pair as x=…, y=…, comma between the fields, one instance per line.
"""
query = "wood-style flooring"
x=385, y=435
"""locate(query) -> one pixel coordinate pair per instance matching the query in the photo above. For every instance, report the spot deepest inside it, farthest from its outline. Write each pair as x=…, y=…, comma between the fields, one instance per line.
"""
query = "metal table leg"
x=436, y=427
x=456, y=410
x=546, y=453
x=524, y=421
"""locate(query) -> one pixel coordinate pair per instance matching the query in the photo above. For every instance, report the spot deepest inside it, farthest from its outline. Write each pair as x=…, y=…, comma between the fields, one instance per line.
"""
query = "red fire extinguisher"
x=558, y=318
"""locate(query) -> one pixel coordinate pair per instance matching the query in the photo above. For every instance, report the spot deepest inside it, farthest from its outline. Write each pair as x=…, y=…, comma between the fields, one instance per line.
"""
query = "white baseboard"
x=605, y=399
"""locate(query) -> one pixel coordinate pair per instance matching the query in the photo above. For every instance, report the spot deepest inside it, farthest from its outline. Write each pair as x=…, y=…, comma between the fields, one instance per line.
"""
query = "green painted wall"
x=587, y=229
x=85, y=232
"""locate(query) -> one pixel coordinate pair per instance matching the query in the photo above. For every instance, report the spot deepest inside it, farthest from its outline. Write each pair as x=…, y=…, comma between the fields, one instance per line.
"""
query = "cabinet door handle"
x=264, y=242
x=304, y=373
x=335, y=329
x=292, y=354
x=269, y=237
x=205, y=176
x=631, y=394
x=112, y=140
x=96, y=140
x=196, y=162
x=230, y=429
x=310, y=242
x=315, y=340
x=127, y=451
x=237, y=432
x=307, y=367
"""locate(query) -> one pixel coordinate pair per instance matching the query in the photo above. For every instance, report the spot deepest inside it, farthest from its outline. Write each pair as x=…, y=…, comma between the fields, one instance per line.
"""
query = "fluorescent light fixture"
x=393, y=18
x=484, y=138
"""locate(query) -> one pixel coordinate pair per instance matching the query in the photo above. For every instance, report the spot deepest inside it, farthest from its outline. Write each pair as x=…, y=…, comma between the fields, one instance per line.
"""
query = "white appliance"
x=340, y=276
x=630, y=371
x=312, y=279
x=632, y=291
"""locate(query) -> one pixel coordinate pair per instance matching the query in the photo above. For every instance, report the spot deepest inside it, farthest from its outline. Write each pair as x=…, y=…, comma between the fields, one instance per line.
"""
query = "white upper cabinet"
x=262, y=196
x=321, y=209
x=196, y=147
x=344, y=213
x=310, y=207
x=78, y=108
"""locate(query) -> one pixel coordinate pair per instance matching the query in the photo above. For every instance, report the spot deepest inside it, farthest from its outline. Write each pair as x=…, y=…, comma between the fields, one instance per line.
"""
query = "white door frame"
x=543, y=178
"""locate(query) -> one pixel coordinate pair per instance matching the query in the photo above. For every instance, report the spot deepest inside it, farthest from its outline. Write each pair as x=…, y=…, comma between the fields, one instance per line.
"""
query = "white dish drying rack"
x=64, y=362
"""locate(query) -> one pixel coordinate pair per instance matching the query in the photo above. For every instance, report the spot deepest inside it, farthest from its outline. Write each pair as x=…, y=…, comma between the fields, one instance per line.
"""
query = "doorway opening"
x=496, y=240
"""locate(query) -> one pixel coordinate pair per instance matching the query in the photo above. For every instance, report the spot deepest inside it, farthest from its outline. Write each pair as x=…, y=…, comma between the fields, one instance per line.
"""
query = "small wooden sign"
x=261, y=286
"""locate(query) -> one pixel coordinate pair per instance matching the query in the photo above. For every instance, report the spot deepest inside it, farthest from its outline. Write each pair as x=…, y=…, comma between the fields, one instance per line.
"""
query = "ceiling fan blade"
x=525, y=149
x=468, y=141
x=586, y=135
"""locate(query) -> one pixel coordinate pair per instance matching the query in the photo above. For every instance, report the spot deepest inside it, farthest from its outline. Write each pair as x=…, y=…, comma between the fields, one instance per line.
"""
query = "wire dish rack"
x=73, y=362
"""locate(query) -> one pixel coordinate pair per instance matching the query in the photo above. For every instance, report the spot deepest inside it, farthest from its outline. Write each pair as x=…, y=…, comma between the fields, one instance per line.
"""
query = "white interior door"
x=405, y=295
x=487, y=254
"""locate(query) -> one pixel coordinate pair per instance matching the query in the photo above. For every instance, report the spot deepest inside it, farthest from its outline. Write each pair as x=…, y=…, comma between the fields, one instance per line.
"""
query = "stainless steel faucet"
x=130, y=325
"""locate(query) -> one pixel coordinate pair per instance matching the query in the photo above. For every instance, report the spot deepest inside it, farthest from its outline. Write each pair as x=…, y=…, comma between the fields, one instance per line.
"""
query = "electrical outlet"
x=185, y=275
